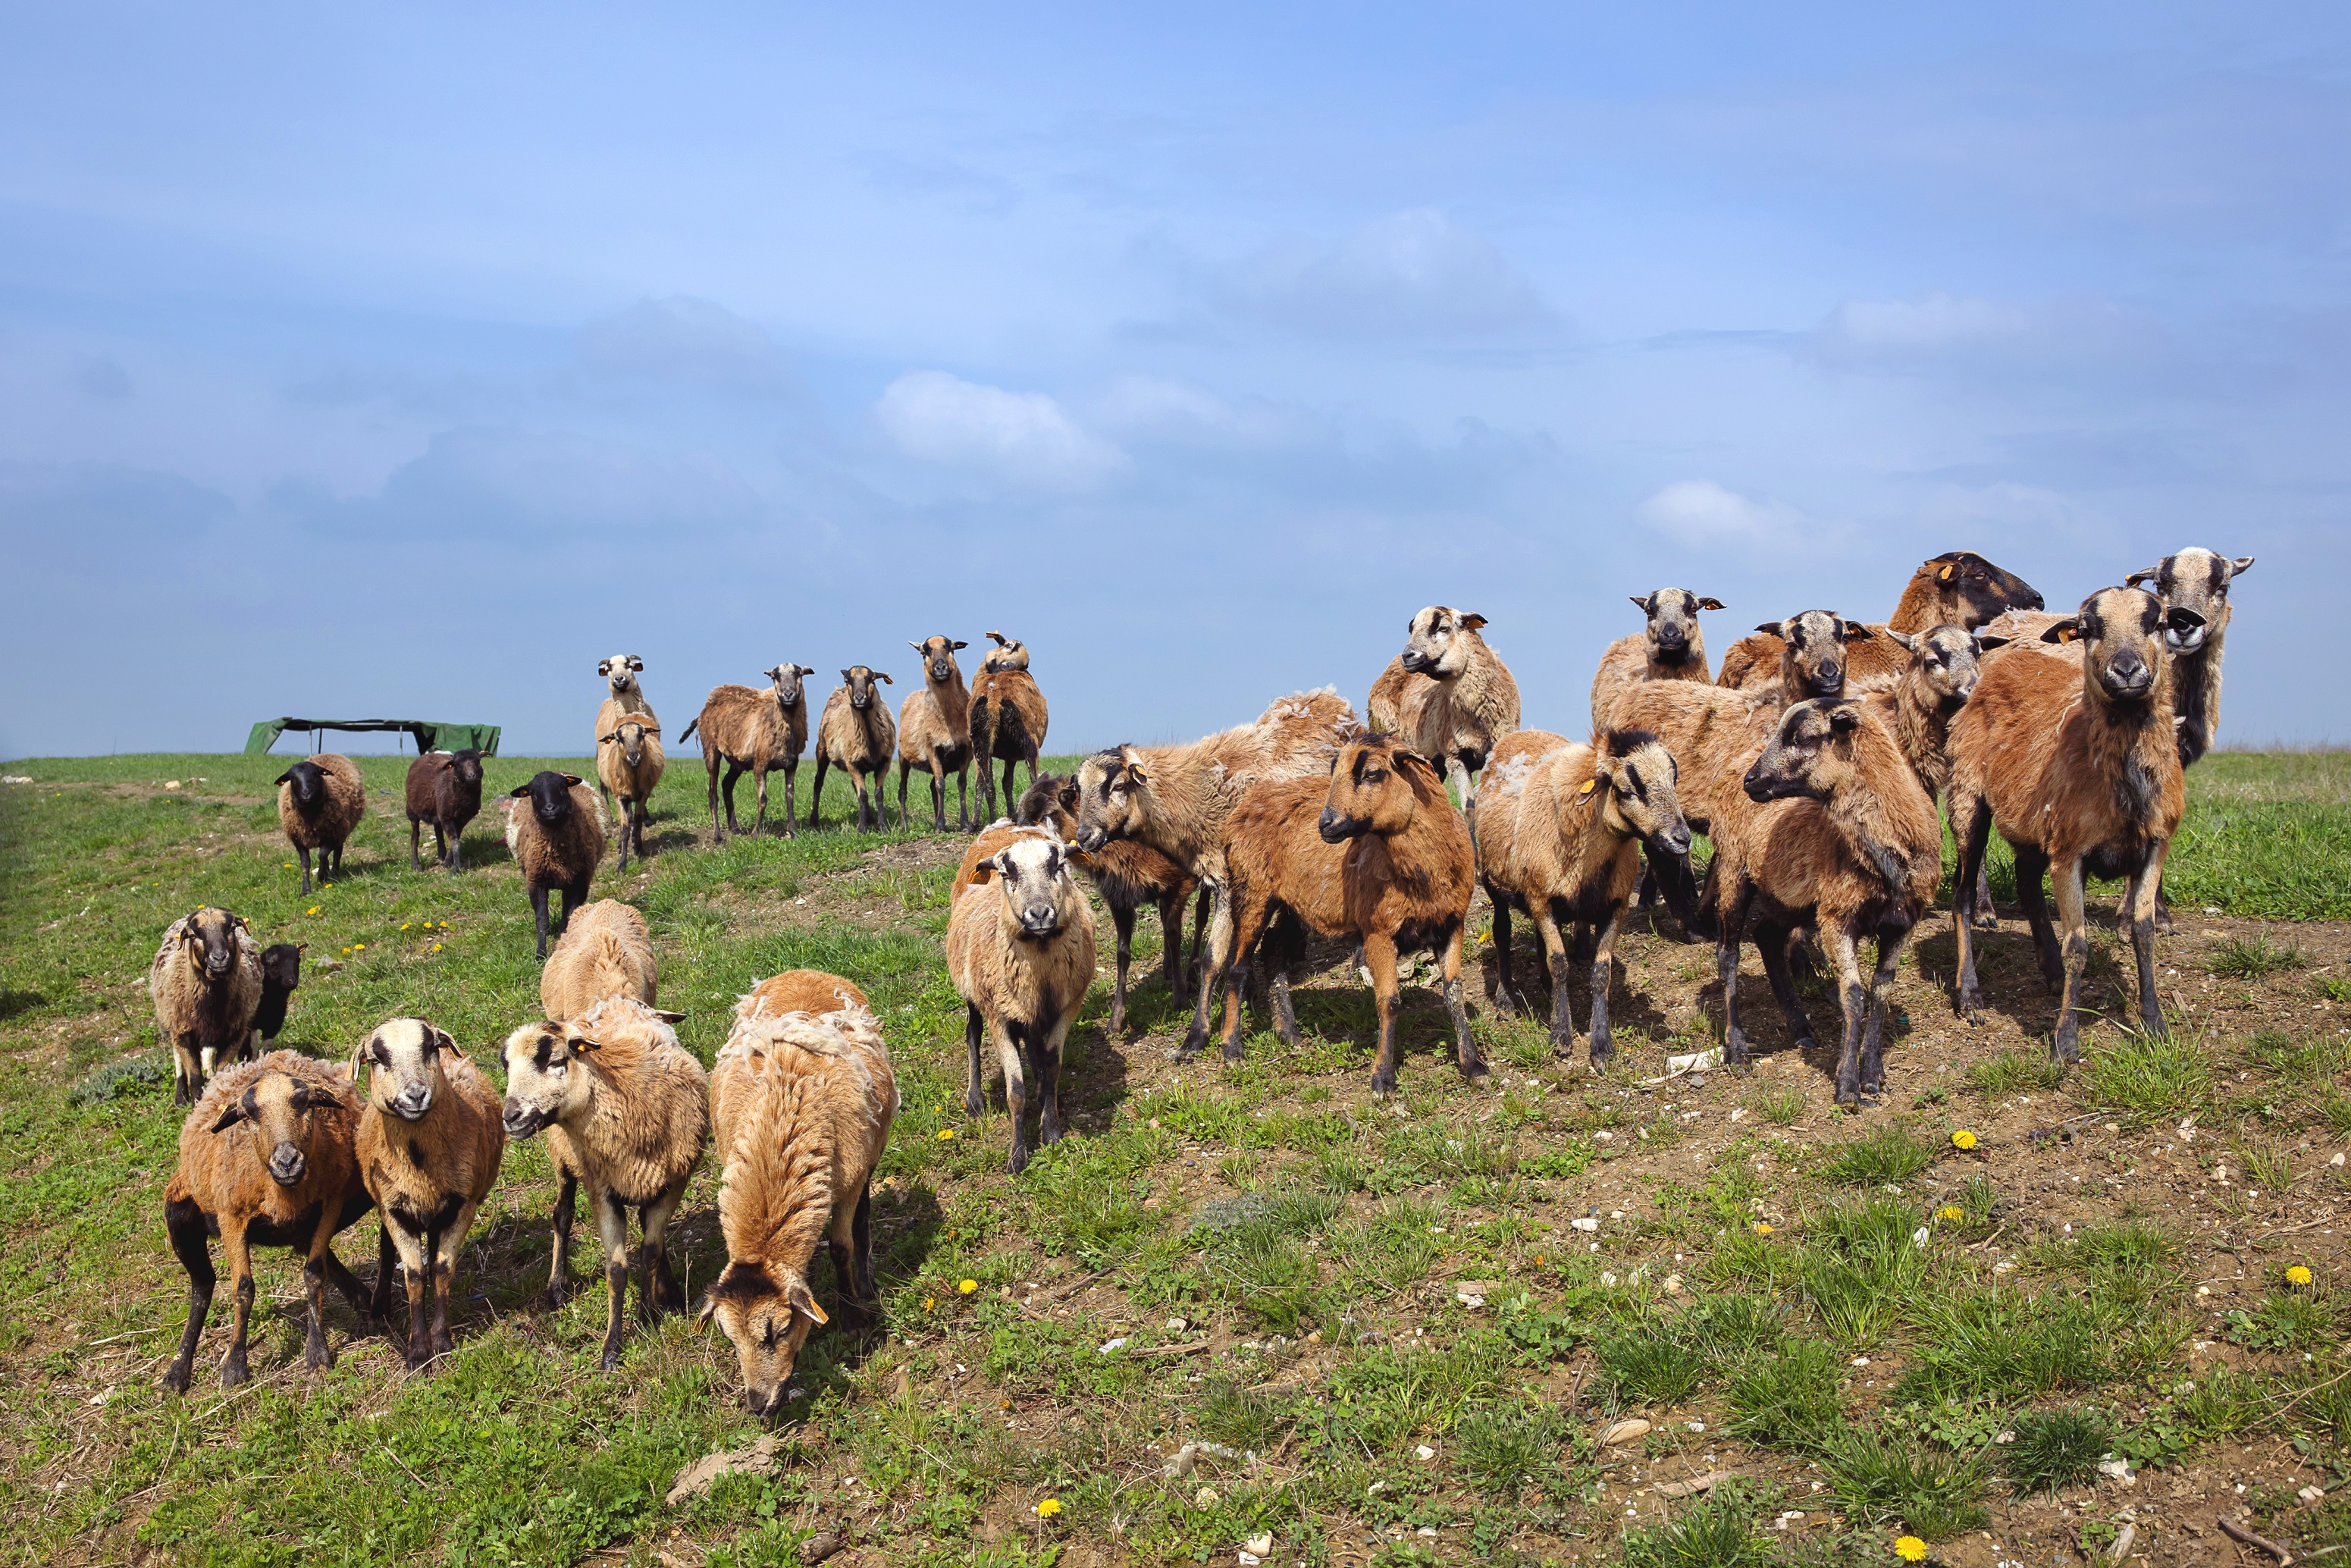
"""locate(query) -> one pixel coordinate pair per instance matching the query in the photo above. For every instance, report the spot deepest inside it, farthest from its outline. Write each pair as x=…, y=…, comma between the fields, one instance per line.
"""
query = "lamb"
x=801, y=1097
x=627, y=1114
x=281, y=974
x=1448, y=694
x=1832, y=831
x=1671, y=647
x=1128, y=875
x=1561, y=828
x=1008, y=717
x=206, y=983
x=605, y=951
x=267, y=1159
x=2081, y=774
x=629, y=763
x=934, y=734
x=1957, y=587
x=758, y=730
x=856, y=736
x=557, y=843
x=1375, y=851
x=624, y=696
x=321, y=801
x=445, y=788
x=1021, y=953
x=430, y=1144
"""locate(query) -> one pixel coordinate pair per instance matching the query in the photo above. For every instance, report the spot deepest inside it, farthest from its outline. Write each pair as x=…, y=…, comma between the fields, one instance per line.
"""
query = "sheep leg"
x=559, y=1271
x=2065, y=1045
x=445, y=843
x=185, y=1219
x=1247, y=927
x=2030, y=865
x=974, y=1102
x=1171, y=942
x=1380, y=954
x=625, y=824
x=1891, y=939
x=444, y=1274
x=661, y=1284
x=792, y=776
x=815, y=797
x=613, y=1230
x=1047, y=1067
x=1285, y=1016
x=184, y=1070
x=2145, y=911
x=305, y=854
x=1730, y=929
x=380, y=1307
x=1473, y=1064
x=905, y=767
x=1854, y=998
x=1200, y=913
x=574, y=895
x=963, y=798
x=415, y=839
x=538, y=909
x=346, y=1281
x=1555, y=963
x=862, y=1243
x=710, y=771
x=1603, y=970
x=315, y=1353
x=1123, y=917
x=1774, y=942
x=1971, y=818
x=1987, y=918
x=415, y=1273
x=1504, y=998
x=238, y=1254
x=1221, y=953
x=1012, y=795
x=1016, y=1092
x=857, y=786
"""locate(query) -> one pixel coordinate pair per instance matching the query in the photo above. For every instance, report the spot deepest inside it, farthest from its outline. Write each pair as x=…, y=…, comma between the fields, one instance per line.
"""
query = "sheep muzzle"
x=521, y=1120
x=1336, y=829
x=286, y=1164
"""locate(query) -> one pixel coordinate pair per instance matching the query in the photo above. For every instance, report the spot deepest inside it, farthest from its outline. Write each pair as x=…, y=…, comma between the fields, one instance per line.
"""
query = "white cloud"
x=682, y=338
x=1023, y=438
x=1701, y=512
x=1154, y=409
x=1408, y=275
x=1946, y=328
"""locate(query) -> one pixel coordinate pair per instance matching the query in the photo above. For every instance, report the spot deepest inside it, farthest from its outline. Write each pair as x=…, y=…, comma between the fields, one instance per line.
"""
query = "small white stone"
x=1112, y=1347
x=1424, y=1453
x=1177, y=1325
x=1861, y=1361
x=2311, y=1494
x=1585, y=1222
x=1260, y=1544
x=1249, y=1559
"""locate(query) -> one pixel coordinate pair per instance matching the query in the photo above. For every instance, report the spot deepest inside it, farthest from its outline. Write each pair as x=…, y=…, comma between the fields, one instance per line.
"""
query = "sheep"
x=934, y=734
x=2081, y=774
x=1128, y=875
x=268, y=1158
x=801, y=1098
x=1008, y=717
x=1957, y=587
x=605, y=951
x=1175, y=799
x=2198, y=581
x=856, y=735
x=758, y=730
x=445, y=788
x=206, y=983
x=321, y=801
x=1811, y=658
x=1448, y=694
x=1021, y=953
x=1830, y=830
x=629, y=763
x=627, y=1114
x=1671, y=647
x=429, y=1144
x=1561, y=829
x=281, y=974
x=1375, y=851
x=557, y=843
x=1710, y=732
x=1945, y=662
x=624, y=696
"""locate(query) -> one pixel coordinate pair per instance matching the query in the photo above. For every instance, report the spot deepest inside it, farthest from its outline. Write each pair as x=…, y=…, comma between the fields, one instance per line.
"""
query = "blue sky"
x=408, y=362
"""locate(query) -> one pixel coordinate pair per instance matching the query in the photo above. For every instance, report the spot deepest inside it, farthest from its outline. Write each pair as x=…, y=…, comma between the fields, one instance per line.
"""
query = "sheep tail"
x=687, y=733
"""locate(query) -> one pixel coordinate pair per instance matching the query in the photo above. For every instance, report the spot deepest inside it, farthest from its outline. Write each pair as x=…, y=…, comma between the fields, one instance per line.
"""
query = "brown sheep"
x=1831, y=831
x=856, y=735
x=2080, y=772
x=558, y=840
x=758, y=730
x=206, y=983
x=1712, y=732
x=1008, y=718
x=321, y=801
x=605, y=951
x=445, y=788
x=1021, y=953
x=1561, y=829
x=430, y=1144
x=1375, y=852
x=1448, y=694
x=934, y=734
x=1671, y=647
x=1811, y=658
x=629, y=763
x=801, y=1098
x=624, y=696
x=627, y=1114
x=1945, y=662
x=1959, y=588
x=1128, y=875
x=267, y=1159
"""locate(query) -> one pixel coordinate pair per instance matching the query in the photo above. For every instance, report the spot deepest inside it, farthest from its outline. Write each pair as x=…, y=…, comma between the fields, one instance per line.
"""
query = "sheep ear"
x=917, y=647
x=230, y=1117
x=568, y=778
x=801, y=1300
x=2242, y=564
x=604, y=667
x=1711, y=604
x=282, y=778
x=1774, y=629
x=325, y=1099
x=1471, y=622
x=1950, y=570
x=635, y=662
x=1067, y=794
x=2143, y=574
x=1903, y=640
x=960, y=646
x=669, y=1017
x=581, y=1045
x=999, y=639
x=1855, y=631
x=1986, y=644
x=607, y=740
x=804, y=669
x=2064, y=631
x=441, y=1041
x=703, y=1309
x=1640, y=604
x=884, y=679
x=844, y=677
x=1844, y=720
x=359, y=1058
x=518, y=792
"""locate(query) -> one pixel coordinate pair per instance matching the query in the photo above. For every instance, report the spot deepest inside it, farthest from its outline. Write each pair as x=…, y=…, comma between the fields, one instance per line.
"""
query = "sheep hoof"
x=556, y=1296
x=1475, y=1068
x=234, y=1372
x=1986, y=922
x=1971, y=1006
x=176, y=1380
x=1382, y=1084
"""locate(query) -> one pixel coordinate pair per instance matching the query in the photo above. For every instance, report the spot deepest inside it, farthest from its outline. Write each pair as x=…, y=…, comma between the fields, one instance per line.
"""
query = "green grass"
x=2255, y=957
x=1890, y=1152
x=1929, y=1491
x=2054, y=1449
x=2149, y=1078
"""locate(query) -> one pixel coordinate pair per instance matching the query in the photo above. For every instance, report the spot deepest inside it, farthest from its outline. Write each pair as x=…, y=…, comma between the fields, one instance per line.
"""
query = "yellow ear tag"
x=2067, y=634
x=1946, y=573
x=1589, y=786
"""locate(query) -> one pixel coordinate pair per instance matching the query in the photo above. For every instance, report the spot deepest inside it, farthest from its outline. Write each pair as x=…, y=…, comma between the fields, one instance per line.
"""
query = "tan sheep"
x=1671, y=647
x=1957, y=587
x=629, y=762
x=558, y=839
x=757, y=730
x=205, y=982
x=1128, y=875
x=321, y=801
x=1008, y=718
x=605, y=951
x=934, y=734
x=857, y=735
x=1021, y=953
x=1447, y=696
x=624, y=694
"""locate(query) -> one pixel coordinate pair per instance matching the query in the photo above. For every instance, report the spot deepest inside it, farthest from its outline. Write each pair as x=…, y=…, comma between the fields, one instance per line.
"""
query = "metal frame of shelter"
x=430, y=734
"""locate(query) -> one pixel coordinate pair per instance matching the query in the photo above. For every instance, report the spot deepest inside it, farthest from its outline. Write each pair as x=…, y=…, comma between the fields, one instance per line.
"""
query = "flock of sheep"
x=1813, y=760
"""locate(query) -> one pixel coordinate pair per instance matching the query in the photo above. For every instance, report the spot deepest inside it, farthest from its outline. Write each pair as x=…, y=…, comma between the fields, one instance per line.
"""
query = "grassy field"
x=1401, y=1330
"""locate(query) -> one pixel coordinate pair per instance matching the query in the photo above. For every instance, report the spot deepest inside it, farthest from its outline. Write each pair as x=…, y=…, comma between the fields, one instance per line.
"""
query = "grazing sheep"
x=801, y=1098
x=445, y=788
x=1831, y=831
x=1008, y=717
x=205, y=982
x=758, y=730
x=2081, y=774
x=268, y=1158
x=1959, y=588
x=605, y=951
x=934, y=734
x=1561, y=827
x=1448, y=694
x=558, y=842
x=1021, y=953
x=629, y=762
x=321, y=801
x=1671, y=647
x=625, y=696
x=430, y=1144
x=627, y=1114
x=1375, y=852
x=281, y=976
x=856, y=736
x=1128, y=875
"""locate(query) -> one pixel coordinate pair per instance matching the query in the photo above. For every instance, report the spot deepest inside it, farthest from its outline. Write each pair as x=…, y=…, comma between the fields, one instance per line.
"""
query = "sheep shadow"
x=1631, y=1012
x=1767, y=1028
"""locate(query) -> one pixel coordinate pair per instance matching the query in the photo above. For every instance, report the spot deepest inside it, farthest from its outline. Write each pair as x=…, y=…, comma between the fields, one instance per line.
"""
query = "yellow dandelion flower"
x=359, y=946
x=347, y=952
x=1048, y=1508
x=1963, y=1139
x=1910, y=1549
x=404, y=925
x=966, y=1286
x=945, y=1132
x=929, y=1302
x=1951, y=1211
x=312, y=910
x=436, y=947
x=1762, y=1228
x=2297, y=1275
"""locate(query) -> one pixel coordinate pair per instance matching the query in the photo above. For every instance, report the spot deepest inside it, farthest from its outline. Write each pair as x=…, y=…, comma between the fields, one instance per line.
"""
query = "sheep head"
x=2126, y=637
x=1049, y=802
x=938, y=658
x=786, y=678
x=466, y=766
x=309, y=781
x=1111, y=788
x=1812, y=664
x=1970, y=590
x=858, y=680
x=2194, y=580
x=767, y=1316
x=547, y=1075
x=281, y=964
x=1437, y=641
x=1639, y=784
x=549, y=794
x=210, y=936
x=1949, y=658
x=405, y=1057
x=1809, y=757
x=1010, y=653
x=1032, y=877
x=1376, y=787
x=620, y=671
x=629, y=735
x=1673, y=628
x=278, y=1106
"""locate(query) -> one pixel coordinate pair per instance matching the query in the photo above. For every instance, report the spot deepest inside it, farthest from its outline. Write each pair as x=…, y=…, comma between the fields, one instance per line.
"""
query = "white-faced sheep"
x=267, y=1159
x=1957, y=587
x=627, y=1114
x=1671, y=647
x=430, y=1144
x=1128, y=875
x=801, y=1098
x=205, y=982
x=756, y=730
x=605, y=951
x=629, y=762
x=1447, y=696
x=1944, y=664
x=2197, y=580
x=935, y=733
x=1008, y=717
x=624, y=694
x=321, y=801
x=857, y=735
x=558, y=838
x=1021, y=953
x=1561, y=828
x=445, y=788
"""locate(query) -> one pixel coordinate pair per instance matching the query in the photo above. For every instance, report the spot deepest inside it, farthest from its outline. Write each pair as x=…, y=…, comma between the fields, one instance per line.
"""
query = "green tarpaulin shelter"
x=429, y=734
